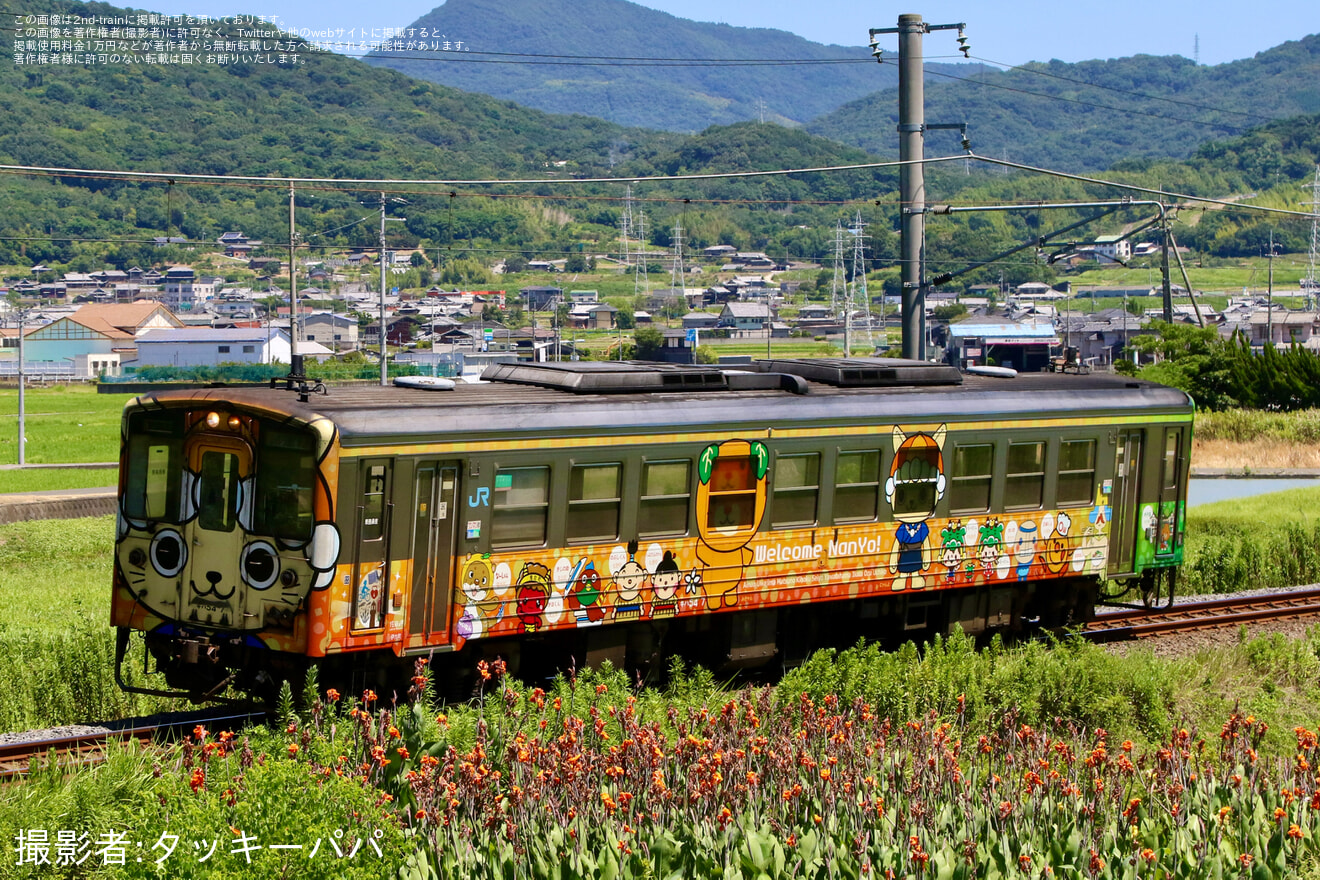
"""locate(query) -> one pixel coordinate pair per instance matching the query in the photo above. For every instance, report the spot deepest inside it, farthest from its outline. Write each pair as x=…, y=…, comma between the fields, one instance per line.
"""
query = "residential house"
x=596, y=316
x=97, y=338
x=1111, y=249
x=746, y=318
x=336, y=332
x=197, y=347
x=720, y=251
x=700, y=321
x=179, y=288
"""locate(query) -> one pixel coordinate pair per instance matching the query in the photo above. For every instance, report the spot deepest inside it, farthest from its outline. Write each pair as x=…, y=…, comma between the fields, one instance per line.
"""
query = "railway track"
x=82, y=749
x=1210, y=614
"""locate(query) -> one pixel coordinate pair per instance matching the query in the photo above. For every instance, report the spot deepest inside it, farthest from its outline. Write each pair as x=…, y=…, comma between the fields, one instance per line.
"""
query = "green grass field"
x=65, y=423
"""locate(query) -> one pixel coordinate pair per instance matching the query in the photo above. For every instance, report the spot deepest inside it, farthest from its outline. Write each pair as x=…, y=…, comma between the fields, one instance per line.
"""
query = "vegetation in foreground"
x=948, y=762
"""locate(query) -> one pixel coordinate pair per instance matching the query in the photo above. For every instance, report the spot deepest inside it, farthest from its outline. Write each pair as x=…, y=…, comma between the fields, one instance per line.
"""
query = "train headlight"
x=213, y=420
x=234, y=423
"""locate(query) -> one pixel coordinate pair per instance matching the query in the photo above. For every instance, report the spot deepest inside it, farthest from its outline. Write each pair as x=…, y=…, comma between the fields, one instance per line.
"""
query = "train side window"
x=1025, y=484
x=522, y=500
x=593, y=502
x=1170, y=483
x=666, y=496
x=973, y=472
x=1076, y=472
x=856, y=486
x=732, y=501
x=373, y=504
x=797, y=487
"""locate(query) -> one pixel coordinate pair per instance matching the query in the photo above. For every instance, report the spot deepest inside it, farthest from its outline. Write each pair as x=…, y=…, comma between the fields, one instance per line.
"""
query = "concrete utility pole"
x=383, y=367
x=912, y=178
x=22, y=397
x=383, y=381
x=912, y=182
x=295, y=362
x=1164, y=269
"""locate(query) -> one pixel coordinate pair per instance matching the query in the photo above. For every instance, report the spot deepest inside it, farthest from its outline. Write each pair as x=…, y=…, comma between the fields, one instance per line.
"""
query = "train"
x=561, y=514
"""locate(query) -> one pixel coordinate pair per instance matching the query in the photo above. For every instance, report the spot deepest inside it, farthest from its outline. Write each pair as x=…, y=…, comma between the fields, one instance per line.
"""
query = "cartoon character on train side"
x=731, y=493
x=914, y=488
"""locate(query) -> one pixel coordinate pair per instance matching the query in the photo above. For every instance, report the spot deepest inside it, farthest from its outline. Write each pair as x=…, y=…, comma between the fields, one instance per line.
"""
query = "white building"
x=1112, y=248
x=202, y=347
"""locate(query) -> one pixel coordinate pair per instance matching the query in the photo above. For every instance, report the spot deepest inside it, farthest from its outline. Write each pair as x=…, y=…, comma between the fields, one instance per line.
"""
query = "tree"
x=706, y=354
x=647, y=342
x=515, y=264
x=417, y=260
x=575, y=263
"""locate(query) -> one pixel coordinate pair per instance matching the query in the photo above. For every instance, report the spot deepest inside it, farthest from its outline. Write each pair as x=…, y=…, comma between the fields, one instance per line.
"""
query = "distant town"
x=111, y=324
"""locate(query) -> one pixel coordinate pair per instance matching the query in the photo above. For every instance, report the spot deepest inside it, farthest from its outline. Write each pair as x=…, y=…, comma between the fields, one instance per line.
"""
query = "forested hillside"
x=685, y=92
x=1093, y=114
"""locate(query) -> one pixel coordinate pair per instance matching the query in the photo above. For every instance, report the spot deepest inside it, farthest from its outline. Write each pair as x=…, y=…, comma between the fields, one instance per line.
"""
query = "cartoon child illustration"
x=664, y=585
x=992, y=546
x=914, y=487
x=1058, y=549
x=628, y=582
x=477, y=579
x=584, y=597
x=533, y=594
x=1026, y=549
x=953, y=548
x=731, y=491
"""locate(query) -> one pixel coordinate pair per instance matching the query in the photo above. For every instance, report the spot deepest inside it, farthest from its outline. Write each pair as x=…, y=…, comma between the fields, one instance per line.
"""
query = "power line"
x=375, y=182
x=1143, y=189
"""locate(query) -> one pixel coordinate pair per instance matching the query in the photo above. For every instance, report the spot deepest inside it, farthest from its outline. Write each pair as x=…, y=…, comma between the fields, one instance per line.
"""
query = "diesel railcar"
x=562, y=513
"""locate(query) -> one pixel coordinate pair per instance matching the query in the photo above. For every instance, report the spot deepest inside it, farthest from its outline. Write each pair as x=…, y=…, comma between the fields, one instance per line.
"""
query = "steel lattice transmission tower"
x=625, y=227
x=857, y=294
x=639, y=264
x=677, y=275
x=839, y=287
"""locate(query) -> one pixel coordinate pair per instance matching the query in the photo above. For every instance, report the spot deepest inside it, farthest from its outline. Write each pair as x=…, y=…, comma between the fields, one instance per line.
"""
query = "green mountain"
x=330, y=116
x=660, y=94
x=1093, y=114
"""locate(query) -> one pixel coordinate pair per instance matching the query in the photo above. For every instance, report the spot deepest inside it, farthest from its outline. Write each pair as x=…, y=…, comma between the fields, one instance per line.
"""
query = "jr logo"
x=482, y=498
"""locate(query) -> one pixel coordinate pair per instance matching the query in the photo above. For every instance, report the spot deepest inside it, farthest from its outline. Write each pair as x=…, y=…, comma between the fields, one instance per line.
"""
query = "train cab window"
x=732, y=501
x=1025, y=484
x=593, y=503
x=155, y=472
x=969, y=485
x=373, y=504
x=1076, y=472
x=522, y=500
x=856, y=486
x=218, y=492
x=796, y=488
x=666, y=496
x=286, y=469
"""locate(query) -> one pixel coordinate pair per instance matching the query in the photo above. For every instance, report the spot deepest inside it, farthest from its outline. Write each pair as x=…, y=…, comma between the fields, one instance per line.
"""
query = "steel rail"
x=1210, y=614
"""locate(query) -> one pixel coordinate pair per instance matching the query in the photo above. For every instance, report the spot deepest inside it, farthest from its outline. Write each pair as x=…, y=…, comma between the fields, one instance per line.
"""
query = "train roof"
x=770, y=394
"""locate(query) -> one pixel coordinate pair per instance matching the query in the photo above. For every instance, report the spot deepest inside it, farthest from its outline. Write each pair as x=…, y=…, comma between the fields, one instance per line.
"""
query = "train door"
x=433, y=549
x=212, y=592
x=1166, y=528
x=372, y=558
x=1127, y=491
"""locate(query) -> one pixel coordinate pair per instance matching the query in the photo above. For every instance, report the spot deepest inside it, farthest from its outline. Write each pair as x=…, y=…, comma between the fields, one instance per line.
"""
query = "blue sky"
x=1011, y=32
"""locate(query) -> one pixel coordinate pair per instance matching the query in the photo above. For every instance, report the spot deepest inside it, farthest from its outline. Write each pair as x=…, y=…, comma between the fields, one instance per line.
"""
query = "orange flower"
x=293, y=749
x=825, y=773
x=1148, y=854
x=332, y=695
x=1294, y=833
x=198, y=779
x=1223, y=813
x=368, y=696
